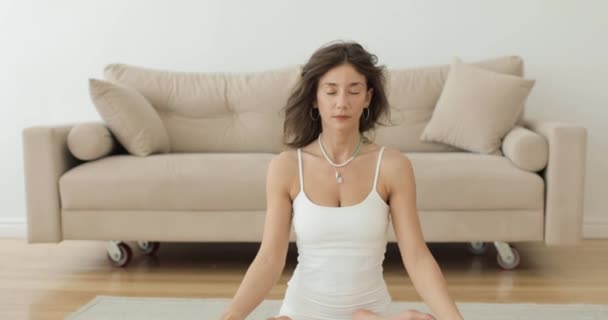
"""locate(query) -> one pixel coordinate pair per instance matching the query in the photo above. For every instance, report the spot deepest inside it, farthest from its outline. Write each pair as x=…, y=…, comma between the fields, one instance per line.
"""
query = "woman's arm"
x=266, y=268
x=417, y=259
x=259, y=279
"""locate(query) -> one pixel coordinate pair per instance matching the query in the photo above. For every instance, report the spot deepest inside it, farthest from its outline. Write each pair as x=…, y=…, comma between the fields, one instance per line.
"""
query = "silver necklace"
x=339, y=178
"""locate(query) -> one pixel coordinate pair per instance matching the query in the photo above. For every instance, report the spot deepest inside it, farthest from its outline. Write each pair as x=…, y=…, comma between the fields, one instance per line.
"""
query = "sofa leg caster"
x=507, y=257
x=148, y=247
x=119, y=253
x=478, y=248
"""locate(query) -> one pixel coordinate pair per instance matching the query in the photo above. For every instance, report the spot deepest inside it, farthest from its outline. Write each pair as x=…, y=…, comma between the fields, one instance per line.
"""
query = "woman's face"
x=342, y=91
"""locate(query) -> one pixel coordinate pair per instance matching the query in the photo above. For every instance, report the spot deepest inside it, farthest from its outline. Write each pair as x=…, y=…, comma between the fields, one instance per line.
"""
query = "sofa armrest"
x=564, y=179
x=46, y=157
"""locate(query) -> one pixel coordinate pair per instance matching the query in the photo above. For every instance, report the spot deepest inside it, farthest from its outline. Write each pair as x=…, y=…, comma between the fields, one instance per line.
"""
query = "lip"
x=341, y=117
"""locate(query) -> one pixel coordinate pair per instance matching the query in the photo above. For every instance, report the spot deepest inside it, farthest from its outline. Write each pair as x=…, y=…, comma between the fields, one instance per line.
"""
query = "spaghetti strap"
x=378, y=167
x=300, y=170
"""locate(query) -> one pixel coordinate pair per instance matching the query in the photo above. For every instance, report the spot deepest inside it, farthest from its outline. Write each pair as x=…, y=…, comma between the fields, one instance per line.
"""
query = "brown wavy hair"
x=298, y=128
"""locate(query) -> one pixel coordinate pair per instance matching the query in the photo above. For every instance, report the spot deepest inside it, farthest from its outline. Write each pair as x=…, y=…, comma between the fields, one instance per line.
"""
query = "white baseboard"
x=13, y=228
x=595, y=229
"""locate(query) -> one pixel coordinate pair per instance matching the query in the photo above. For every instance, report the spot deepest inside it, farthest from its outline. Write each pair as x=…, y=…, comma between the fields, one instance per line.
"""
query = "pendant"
x=338, y=177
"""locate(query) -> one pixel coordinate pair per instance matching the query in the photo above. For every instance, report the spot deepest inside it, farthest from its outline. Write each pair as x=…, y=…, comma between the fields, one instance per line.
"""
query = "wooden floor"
x=48, y=281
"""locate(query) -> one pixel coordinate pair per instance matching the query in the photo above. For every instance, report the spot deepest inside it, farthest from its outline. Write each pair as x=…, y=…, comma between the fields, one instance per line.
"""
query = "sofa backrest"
x=214, y=112
x=243, y=112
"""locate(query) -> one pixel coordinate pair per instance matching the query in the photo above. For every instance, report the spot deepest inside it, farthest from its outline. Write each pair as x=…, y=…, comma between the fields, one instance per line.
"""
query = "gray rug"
x=136, y=308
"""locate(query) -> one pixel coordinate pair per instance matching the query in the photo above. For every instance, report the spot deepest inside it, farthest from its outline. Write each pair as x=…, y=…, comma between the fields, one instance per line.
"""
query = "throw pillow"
x=476, y=108
x=130, y=117
x=90, y=141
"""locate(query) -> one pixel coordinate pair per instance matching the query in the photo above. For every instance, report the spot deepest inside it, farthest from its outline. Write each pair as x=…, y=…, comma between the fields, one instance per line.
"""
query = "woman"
x=323, y=187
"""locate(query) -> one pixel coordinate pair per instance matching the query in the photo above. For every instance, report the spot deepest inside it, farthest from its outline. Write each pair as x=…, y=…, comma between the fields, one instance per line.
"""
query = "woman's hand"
x=280, y=318
x=412, y=315
x=405, y=315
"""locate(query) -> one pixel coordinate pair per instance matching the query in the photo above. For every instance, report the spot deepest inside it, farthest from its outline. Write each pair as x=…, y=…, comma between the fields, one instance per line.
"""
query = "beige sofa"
x=224, y=128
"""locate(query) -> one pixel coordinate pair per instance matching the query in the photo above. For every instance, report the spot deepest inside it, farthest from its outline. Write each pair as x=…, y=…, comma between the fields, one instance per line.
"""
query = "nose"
x=341, y=100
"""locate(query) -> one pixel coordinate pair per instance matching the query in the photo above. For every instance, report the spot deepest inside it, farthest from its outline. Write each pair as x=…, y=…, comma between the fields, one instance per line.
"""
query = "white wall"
x=51, y=48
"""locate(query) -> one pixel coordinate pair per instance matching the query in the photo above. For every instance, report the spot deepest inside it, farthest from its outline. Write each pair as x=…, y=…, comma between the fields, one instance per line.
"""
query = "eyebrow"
x=335, y=84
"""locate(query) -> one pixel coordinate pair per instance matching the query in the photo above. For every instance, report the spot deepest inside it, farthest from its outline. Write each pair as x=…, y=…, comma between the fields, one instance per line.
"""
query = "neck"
x=340, y=146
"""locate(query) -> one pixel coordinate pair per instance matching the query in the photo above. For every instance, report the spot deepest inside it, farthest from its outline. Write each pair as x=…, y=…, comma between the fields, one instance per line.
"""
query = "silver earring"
x=313, y=119
x=366, y=117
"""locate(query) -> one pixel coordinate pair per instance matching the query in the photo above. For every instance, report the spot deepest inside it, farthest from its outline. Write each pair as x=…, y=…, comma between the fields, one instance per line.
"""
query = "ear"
x=368, y=96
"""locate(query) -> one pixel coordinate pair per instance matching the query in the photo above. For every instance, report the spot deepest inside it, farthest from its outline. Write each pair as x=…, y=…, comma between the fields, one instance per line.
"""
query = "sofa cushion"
x=464, y=180
x=130, y=117
x=211, y=181
x=527, y=149
x=90, y=140
x=477, y=108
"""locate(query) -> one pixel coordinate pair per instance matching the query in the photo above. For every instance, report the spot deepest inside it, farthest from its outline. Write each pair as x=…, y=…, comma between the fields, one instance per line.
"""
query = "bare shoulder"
x=397, y=167
x=284, y=162
x=395, y=160
x=282, y=168
x=284, y=159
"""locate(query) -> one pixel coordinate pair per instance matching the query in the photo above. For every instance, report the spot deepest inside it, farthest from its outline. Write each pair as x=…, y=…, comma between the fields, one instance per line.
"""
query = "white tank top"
x=340, y=255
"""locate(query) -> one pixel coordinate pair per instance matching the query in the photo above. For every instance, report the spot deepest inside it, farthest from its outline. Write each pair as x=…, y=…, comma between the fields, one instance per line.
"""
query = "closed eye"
x=332, y=93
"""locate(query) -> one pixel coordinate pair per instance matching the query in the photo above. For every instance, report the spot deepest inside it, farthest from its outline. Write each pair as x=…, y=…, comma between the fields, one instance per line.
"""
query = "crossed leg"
x=362, y=314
